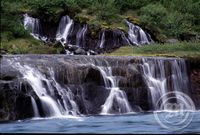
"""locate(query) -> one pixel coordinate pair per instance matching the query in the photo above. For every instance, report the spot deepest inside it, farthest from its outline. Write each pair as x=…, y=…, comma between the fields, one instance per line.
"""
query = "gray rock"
x=80, y=51
x=3, y=51
x=172, y=41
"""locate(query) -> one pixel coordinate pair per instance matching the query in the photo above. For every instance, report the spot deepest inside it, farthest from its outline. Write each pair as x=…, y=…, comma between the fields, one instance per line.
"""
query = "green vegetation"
x=168, y=18
x=29, y=46
x=163, y=19
x=184, y=49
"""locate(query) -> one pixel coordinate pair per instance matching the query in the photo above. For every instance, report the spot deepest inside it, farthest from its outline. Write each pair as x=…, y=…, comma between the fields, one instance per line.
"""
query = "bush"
x=154, y=14
x=105, y=10
x=177, y=24
x=84, y=3
x=50, y=11
x=124, y=5
x=11, y=26
x=189, y=10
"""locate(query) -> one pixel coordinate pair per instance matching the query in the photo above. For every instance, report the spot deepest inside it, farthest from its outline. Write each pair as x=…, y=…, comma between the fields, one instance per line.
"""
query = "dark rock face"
x=195, y=83
x=111, y=39
x=194, y=74
x=90, y=98
x=94, y=76
x=15, y=99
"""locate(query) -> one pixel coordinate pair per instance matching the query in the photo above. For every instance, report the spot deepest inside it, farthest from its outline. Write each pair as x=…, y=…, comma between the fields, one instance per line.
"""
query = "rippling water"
x=132, y=123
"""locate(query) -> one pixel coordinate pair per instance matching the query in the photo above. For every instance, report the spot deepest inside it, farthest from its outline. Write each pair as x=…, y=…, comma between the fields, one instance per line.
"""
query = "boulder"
x=80, y=51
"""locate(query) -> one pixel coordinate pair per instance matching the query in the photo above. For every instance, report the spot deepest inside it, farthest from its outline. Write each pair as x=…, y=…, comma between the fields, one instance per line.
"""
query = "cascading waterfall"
x=160, y=82
x=53, y=106
x=35, y=79
x=90, y=85
x=136, y=35
x=116, y=97
x=34, y=26
x=117, y=101
x=67, y=98
x=64, y=29
x=69, y=34
x=80, y=36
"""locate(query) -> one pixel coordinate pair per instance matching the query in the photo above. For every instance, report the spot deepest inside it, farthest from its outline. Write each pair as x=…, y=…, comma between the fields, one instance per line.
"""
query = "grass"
x=32, y=46
x=28, y=46
x=183, y=50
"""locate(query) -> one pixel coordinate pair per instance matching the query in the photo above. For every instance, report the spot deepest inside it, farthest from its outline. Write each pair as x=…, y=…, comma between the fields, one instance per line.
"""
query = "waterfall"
x=33, y=25
x=35, y=108
x=116, y=97
x=116, y=101
x=64, y=29
x=164, y=76
x=136, y=35
x=55, y=100
x=109, y=39
x=61, y=85
x=72, y=33
x=101, y=41
x=80, y=36
x=124, y=38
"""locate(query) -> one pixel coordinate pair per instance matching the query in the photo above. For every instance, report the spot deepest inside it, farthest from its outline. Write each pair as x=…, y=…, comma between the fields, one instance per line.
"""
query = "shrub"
x=153, y=13
x=105, y=10
x=132, y=4
x=11, y=26
x=177, y=23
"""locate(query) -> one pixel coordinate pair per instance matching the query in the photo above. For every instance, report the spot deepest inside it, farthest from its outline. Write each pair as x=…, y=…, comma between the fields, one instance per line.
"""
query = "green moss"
x=82, y=19
x=133, y=20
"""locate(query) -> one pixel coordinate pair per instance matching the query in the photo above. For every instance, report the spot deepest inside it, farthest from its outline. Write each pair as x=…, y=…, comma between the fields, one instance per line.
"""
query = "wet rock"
x=80, y=51
x=94, y=76
x=92, y=97
x=138, y=98
x=90, y=52
x=14, y=103
x=72, y=47
x=195, y=86
x=119, y=71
